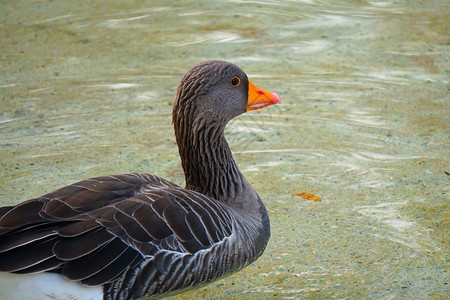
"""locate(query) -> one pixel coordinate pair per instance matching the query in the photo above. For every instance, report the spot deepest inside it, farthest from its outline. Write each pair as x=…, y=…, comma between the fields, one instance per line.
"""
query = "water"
x=86, y=90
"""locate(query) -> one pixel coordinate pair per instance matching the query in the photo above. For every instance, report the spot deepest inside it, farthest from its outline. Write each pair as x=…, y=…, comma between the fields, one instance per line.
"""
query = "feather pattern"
x=139, y=234
x=150, y=229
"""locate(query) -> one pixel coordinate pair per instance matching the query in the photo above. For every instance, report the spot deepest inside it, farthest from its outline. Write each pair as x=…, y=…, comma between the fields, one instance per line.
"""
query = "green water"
x=86, y=89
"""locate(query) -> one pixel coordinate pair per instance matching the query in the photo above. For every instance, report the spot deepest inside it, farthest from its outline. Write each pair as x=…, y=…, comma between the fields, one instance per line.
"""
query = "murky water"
x=86, y=89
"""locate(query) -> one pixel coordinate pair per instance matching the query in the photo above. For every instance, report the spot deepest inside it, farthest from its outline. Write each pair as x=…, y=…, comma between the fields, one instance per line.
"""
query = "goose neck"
x=208, y=164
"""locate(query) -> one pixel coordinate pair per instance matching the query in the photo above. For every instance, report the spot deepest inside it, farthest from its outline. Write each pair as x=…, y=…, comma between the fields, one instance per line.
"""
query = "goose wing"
x=96, y=230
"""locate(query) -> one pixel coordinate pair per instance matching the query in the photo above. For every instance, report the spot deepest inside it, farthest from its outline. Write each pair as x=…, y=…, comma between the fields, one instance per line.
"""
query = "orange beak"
x=259, y=98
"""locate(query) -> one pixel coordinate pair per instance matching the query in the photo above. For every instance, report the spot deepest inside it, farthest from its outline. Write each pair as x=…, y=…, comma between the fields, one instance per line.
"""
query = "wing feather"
x=24, y=257
x=22, y=238
x=23, y=214
x=89, y=265
x=125, y=261
x=73, y=248
x=151, y=222
x=132, y=228
x=107, y=230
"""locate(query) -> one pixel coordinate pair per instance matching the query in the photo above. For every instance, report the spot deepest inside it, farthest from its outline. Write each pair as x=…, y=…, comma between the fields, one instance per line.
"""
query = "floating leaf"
x=307, y=196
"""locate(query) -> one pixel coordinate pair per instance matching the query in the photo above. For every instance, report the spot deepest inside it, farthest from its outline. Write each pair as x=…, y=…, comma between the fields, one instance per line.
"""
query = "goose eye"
x=235, y=81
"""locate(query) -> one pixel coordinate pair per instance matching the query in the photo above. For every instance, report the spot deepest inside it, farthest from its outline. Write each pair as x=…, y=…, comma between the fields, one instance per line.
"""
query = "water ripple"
x=397, y=227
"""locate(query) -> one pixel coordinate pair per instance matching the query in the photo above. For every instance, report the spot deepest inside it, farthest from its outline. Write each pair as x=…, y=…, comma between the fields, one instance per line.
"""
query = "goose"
x=133, y=235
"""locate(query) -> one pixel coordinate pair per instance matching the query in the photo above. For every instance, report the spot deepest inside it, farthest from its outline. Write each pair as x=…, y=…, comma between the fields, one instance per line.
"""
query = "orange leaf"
x=307, y=196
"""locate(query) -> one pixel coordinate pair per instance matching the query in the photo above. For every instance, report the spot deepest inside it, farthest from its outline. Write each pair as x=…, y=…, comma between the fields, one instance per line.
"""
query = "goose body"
x=132, y=235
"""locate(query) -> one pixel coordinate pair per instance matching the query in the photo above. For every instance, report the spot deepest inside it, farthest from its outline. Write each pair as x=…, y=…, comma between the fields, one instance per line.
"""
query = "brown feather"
x=68, y=249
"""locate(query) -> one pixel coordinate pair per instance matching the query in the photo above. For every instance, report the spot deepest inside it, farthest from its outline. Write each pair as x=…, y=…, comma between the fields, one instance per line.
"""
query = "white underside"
x=45, y=286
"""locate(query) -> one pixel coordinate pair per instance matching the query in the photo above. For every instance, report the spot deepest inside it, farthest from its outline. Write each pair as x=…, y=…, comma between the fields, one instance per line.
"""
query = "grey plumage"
x=138, y=234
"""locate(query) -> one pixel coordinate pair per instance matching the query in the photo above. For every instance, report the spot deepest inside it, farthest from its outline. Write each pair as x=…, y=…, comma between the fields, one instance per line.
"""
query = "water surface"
x=86, y=90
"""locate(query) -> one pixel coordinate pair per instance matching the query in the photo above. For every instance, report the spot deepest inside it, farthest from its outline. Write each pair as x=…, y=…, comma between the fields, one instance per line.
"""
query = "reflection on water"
x=87, y=89
x=397, y=227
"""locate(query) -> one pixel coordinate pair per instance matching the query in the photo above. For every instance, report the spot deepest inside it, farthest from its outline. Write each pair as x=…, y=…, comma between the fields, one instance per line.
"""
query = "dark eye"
x=235, y=81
